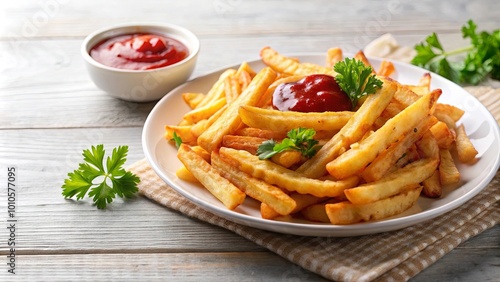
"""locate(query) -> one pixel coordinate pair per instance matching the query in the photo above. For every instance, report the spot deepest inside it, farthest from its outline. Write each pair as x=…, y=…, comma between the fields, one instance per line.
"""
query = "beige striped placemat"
x=390, y=256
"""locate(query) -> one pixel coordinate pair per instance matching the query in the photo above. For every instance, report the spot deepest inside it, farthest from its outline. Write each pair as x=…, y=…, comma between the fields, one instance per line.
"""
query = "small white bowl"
x=141, y=85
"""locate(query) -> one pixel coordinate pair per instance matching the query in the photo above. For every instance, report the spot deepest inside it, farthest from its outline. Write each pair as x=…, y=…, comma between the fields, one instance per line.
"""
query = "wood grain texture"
x=50, y=111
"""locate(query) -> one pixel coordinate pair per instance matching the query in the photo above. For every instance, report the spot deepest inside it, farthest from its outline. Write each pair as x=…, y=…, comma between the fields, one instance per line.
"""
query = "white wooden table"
x=50, y=111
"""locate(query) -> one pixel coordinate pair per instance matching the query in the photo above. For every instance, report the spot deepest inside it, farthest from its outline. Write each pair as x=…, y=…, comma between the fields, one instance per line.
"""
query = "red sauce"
x=139, y=51
x=313, y=93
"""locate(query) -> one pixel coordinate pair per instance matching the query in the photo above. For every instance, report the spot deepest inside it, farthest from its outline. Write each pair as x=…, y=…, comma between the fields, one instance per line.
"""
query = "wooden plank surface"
x=50, y=111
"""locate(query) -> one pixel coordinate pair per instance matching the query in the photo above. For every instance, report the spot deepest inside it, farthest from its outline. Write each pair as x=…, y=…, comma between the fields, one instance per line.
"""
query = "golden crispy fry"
x=358, y=157
x=229, y=121
x=349, y=213
x=232, y=88
x=192, y=99
x=419, y=89
x=448, y=172
x=362, y=57
x=393, y=183
x=204, y=112
x=333, y=56
x=353, y=131
x=465, y=150
x=432, y=186
x=217, y=185
x=444, y=136
x=286, y=65
x=261, y=133
x=301, y=200
x=247, y=143
x=453, y=112
x=425, y=80
x=284, y=178
x=386, y=68
x=257, y=189
x=388, y=158
x=285, y=121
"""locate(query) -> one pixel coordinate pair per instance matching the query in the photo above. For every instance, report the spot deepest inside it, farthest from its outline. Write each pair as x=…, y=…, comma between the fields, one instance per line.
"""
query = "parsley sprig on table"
x=356, y=79
x=482, y=56
x=299, y=139
x=103, y=180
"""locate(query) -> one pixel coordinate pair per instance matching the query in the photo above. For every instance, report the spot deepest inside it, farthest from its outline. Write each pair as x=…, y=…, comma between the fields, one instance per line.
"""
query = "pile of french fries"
x=374, y=163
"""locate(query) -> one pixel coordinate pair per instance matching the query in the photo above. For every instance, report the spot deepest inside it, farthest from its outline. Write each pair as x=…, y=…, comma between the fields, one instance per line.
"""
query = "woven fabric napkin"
x=390, y=256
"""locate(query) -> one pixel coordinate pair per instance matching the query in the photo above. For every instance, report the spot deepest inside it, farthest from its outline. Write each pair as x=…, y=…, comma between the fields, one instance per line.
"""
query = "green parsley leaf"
x=299, y=139
x=177, y=139
x=478, y=60
x=356, y=79
x=103, y=181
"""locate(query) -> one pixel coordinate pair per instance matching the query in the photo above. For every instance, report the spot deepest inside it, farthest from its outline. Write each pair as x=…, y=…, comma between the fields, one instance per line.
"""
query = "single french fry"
x=453, y=112
x=261, y=133
x=465, y=150
x=432, y=186
x=393, y=183
x=286, y=65
x=388, y=157
x=419, y=89
x=357, y=158
x=257, y=189
x=282, y=177
x=301, y=200
x=275, y=120
x=386, y=68
x=192, y=99
x=232, y=88
x=353, y=131
x=204, y=112
x=333, y=56
x=360, y=55
x=247, y=143
x=448, y=172
x=348, y=213
x=217, y=185
x=229, y=121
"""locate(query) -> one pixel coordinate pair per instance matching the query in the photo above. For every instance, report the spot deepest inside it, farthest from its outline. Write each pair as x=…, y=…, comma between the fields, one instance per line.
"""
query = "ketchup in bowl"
x=313, y=93
x=139, y=51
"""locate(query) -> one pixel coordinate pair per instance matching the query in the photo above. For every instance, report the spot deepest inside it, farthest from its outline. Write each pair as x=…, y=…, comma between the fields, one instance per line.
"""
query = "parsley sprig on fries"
x=300, y=139
x=356, y=79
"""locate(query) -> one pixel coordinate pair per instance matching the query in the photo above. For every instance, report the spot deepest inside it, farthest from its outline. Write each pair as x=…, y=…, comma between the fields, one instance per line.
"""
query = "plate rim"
x=319, y=229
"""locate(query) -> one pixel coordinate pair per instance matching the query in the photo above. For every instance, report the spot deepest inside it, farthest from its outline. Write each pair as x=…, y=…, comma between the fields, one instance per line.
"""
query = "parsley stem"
x=458, y=51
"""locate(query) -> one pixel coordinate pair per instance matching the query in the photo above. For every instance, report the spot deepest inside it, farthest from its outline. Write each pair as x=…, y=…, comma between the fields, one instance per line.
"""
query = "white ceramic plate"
x=478, y=121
